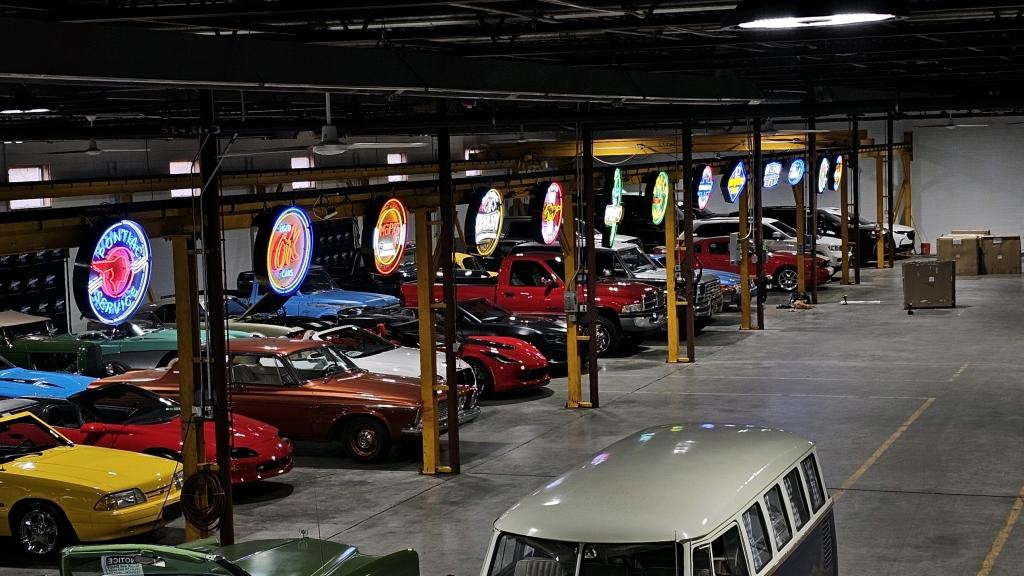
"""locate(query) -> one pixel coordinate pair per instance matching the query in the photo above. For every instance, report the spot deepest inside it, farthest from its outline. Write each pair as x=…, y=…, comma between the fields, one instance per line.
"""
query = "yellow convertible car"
x=53, y=492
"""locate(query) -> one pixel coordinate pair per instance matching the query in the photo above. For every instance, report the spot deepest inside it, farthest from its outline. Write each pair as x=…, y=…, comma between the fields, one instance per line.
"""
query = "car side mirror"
x=94, y=428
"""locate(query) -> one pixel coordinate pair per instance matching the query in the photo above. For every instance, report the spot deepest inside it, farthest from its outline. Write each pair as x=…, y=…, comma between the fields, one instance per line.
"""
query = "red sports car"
x=127, y=417
x=503, y=364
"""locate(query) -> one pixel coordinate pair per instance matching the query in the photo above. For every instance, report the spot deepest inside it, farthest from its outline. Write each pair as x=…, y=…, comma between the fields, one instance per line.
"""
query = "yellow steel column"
x=671, y=308
x=844, y=225
x=193, y=450
x=744, y=239
x=801, y=218
x=568, y=240
x=880, y=205
x=428, y=368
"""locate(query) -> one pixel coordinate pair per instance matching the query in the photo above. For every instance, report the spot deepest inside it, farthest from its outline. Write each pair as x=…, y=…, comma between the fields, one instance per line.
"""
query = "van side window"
x=795, y=493
x=813, y=482
x=757, y=535
x=777, y=516
x=727, y=557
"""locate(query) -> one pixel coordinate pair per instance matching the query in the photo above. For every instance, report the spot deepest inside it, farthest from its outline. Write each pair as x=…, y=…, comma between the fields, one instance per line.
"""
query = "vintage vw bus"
x=682, y=500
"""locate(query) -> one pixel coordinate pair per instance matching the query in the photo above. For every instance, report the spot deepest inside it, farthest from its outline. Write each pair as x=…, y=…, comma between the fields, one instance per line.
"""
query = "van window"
x=521, y=555
x=724, y=557
x=777, y=516
x=757, y=535
x=795, y=493
x=813, y=482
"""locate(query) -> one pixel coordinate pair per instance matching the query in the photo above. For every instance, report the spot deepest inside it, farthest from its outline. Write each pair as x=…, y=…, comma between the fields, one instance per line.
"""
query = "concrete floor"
x=942, y=391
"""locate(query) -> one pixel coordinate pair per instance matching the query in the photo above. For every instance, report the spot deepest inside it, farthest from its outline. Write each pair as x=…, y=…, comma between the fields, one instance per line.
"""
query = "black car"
x=829, y=224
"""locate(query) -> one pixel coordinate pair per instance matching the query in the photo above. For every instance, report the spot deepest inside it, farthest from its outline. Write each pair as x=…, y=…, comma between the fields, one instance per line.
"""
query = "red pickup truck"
x=781, y=266
x=532, y=283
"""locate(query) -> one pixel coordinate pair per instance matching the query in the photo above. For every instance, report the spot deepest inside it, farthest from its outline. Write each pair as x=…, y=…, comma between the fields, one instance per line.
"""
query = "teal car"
x=295, y=557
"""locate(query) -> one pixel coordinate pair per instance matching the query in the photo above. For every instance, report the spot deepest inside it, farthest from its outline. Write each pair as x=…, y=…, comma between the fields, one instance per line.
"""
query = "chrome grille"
x=827, y=545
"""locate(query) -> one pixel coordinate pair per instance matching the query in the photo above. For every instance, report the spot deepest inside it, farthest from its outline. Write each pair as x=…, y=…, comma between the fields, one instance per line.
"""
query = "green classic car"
x=295, y=557
x=30, y=342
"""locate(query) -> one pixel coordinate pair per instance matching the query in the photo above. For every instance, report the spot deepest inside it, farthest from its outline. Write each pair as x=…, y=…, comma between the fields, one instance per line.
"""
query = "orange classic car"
x=311, y=391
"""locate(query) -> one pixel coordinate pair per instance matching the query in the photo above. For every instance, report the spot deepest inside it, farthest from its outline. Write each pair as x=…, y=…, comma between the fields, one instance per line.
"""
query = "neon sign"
x=389, y=233
x=837, y=173
x=823, y=174
x=113, y=272
x=613, y=211
x=796, y=171
x=703, y=186
x=284, y=250
x=551, y=214
x=772, y=174
x=660, y=194
x=734, y=185
x=484, y=219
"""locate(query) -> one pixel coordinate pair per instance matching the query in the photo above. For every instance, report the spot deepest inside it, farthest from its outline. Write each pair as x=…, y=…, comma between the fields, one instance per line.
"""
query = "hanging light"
x=780, y=15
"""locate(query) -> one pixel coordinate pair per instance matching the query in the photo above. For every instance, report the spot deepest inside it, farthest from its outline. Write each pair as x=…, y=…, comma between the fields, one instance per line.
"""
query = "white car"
x=778, y=236
x=905, y=237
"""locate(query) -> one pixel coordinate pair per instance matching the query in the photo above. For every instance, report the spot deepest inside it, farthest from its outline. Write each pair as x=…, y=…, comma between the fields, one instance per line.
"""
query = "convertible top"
x=14, y=318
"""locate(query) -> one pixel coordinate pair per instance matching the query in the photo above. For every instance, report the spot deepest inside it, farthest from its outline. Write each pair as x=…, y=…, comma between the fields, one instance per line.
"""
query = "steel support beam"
x=688, y=259
x=799, y=194
x=744, y=241
x=854, y=177
x=890, y=186
x=589, y=216
x=812, y=151
x=447, y=259
x=880, y=209
x=568, y=239
x=671, y=289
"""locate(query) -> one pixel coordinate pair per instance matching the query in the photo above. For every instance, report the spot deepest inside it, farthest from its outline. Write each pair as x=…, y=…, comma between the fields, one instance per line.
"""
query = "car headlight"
x=179, y=479
x=638, y=307
x=499, y=357
x=835, y=248
x=119, y=500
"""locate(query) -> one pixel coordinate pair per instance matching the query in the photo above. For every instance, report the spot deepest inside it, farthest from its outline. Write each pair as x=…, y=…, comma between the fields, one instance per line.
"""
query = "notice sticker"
x=957, y=242
x=121, y=565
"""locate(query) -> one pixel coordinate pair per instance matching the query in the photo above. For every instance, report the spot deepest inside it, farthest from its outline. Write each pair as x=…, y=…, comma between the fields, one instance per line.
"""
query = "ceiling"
x=960, y=56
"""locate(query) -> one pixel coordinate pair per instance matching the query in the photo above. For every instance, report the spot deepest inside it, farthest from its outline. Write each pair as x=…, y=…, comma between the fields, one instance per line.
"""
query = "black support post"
x=758, y=230
x=447, y=248
x=590, y=254
x=688, y=262
x=890, y=184
x=213, y=260
x=812, y=148
x=855, y=180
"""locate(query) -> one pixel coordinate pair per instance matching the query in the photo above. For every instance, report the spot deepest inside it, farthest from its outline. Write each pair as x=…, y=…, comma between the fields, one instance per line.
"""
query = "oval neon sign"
x=389, y=235
x=797, y=168
x=736, y=182
x=113, y=272
x=823, y=174
x=484, y=219
x=703, y=187
x=551, y=214
x=660, y=195
x=837, y=173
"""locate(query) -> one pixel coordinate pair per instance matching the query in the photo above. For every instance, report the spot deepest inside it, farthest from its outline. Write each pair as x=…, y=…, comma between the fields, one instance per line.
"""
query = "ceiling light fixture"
x=784, y=15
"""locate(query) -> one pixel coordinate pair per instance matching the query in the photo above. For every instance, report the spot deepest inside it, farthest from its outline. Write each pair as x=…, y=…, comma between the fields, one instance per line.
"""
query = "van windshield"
x=516, y=555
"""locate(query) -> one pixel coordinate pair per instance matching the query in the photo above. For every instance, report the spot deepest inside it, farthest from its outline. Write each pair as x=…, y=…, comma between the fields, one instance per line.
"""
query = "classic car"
x=15, y=382
x=130, y=418
x=311, y=391
x=53, y=491
x=40, y=350
x=317, y=296
x=294, y=557
x=503, y=364
x=238, y=319
x=903, y=236
x=830, y=224
x=375, y=354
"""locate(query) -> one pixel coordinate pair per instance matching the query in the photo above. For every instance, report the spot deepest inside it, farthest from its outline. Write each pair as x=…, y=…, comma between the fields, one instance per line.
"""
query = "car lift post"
x=758, y=228
x=193, y=450
x=844, y=226
x=425, y=272
x=880, y=209
x=891, y=182
x=688, y=260
x=589, y=211
x=812, y=147
x=854, y=177
x=567, y=237
x=799, y=192
x=447, y=258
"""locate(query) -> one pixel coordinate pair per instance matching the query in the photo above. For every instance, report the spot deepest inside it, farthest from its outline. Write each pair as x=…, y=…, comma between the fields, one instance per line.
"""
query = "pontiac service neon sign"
x=113, y=272
x=389, y=236
x=289, y=250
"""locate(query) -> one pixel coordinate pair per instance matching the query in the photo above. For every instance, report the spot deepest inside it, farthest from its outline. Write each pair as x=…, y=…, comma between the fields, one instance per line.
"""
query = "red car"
x=781, y=266
x=503, y=364
x=127, y=417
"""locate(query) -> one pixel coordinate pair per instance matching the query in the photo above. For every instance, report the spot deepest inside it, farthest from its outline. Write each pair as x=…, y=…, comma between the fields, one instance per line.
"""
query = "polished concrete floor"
x=920, y=417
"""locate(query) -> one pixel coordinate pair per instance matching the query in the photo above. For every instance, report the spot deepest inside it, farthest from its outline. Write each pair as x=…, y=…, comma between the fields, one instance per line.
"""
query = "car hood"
x=103, y=470
x=403, y=361
x=19, y=382
x=352, y=299
x=545, y=324
x=396, y=390
x=655, y=274
x=305, y=556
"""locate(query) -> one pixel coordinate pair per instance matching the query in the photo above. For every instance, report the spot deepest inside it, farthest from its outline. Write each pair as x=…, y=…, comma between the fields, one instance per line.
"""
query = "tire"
x=40, y=530
x=170, y=356
x=786, y=278
x=366, y=439
x=112, y=368
x=608, y=339
x=484, y=378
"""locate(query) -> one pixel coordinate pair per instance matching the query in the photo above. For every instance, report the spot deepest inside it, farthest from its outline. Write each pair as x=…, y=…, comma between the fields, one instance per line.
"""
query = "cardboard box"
x=929, y=284
x=1000, y=254
x=971, y=233
x=965, y=251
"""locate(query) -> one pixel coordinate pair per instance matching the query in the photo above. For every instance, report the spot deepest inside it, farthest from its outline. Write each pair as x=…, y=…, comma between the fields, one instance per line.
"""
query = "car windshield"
x=485, y=310
x=319, y=362
x=357, y=342
x=517, y=555
x=41, y=328
x=156, y=562
x=784, y=228
x=636, y=261
x=471, y=262
x=5, y=363
x=126, y=404
x=26, y=435
x=317, y=281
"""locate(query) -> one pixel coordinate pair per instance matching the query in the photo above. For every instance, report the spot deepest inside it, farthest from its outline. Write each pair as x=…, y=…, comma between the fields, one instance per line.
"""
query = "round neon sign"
x=551, y=214
x=796, y=171
x=660, y=194
x=113, y=272
x=389, y=236
x=836, y=180
x=703, y=186
x=823, y=174
x=284, y=250
x=772, y=174
x=734, y=185
x=484, y=219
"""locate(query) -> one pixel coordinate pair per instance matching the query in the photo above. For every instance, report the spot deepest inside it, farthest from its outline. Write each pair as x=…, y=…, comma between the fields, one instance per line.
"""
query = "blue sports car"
x=318, y=297
x=20, y=382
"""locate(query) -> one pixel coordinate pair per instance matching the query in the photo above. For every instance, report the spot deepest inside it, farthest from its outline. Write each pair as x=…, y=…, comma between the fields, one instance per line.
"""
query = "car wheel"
x=607, y=339
x=484, y=380
x=786, y=278
x=113, y=368
x=366, y=440
x=40, y=529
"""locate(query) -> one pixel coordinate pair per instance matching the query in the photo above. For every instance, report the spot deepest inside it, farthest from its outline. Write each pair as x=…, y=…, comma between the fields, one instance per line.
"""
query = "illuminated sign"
x=772, y=174
x=112, y=273
x=283, y=250
x=836, y=179
x=389, y=233
x=613, y=211
x=549, y=218
x=796, y=171
x=660, y=195
x=736, y=182
x=823, y=174
x=705, y=183
x=484, y=217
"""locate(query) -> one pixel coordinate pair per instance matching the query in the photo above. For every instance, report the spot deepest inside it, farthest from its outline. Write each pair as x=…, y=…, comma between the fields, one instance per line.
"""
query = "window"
x=520, y=556
x=797, y=501
x=398, y=158
x=757, y=535
x=813, y=482
x=301, y=163
x=184, y=167
x=467, y=155
x=251, y=369
x=777, y=516
x=723, y=558
x=29, y=174
x=718, y=247
x=526, y=273
x=716, y=229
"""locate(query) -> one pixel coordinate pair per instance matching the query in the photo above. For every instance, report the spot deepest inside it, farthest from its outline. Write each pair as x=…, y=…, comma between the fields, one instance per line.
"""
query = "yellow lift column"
x=425, y=271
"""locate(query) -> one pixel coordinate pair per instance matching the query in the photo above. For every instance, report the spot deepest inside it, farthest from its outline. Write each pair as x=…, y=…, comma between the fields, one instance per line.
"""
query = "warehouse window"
x=467, y=155
x=184, y=167
x=29, y=174
x=397, y=158
x=300, y=163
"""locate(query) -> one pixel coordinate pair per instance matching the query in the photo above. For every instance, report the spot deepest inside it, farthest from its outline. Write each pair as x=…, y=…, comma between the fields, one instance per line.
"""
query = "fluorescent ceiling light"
x=783, y=15
x=811, y=21
x=12, y=111
x=37, y=110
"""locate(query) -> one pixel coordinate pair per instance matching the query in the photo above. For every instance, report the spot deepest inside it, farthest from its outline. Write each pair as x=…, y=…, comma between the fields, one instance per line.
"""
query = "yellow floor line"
x=1003, y=535
x=881, y=450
